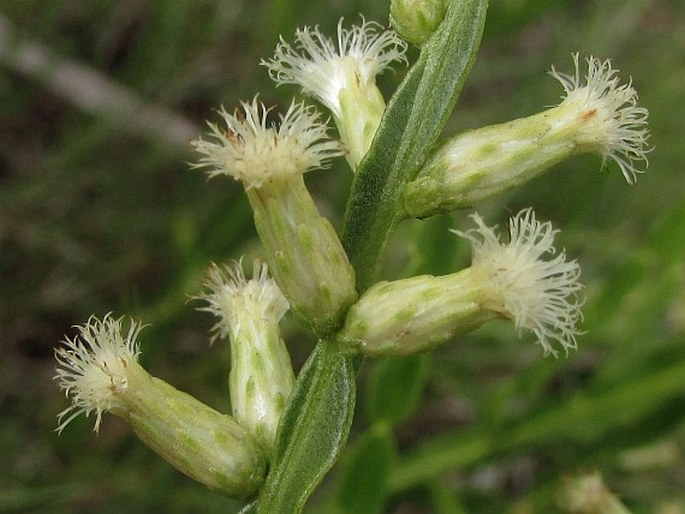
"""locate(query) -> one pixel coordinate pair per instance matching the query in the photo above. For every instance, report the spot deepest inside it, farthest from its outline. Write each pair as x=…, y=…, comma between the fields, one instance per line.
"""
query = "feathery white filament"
x=255, y=152
x=536, y=294
x=618, y=124
x=321, y=69
x=93, y=367
x=235, y=299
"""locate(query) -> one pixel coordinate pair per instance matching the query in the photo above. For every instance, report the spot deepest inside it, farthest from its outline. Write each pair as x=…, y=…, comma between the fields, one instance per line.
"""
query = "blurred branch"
x=89, y=90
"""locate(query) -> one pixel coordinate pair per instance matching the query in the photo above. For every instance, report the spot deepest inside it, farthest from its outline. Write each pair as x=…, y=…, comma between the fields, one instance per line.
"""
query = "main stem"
x=315, y=426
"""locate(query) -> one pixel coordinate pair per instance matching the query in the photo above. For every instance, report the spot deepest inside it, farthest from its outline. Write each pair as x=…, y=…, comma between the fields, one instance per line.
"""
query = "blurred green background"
x=99, y=212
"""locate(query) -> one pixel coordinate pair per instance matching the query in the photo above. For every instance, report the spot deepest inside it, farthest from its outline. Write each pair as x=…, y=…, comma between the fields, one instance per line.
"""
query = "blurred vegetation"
x=99, y=212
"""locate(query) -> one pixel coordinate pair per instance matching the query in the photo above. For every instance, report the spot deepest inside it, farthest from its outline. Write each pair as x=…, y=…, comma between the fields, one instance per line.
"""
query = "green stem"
x=316, y=423
x=409, y=128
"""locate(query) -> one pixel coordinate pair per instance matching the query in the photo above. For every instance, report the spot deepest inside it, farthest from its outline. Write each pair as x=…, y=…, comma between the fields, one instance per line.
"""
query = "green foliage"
x=95, y=216
x=313, y=429
x=395, y=388
x=317, y=420
x=366, y=470
x=407, y=132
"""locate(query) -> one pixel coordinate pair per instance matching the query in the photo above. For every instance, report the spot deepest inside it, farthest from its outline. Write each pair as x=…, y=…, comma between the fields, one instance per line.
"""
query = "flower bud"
x=303, y=251
x=414, y=314
x=99, y=371
x=261, y=377
x=508, y=281
x=416, y=20
x=343, y=78
x=597, y=116
x=304, y=254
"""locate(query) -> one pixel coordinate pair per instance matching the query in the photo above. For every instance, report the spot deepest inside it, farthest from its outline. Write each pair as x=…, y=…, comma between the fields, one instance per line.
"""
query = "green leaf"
x=410, y=126
x=313, y=430
x=395, y=387
x=365, y=473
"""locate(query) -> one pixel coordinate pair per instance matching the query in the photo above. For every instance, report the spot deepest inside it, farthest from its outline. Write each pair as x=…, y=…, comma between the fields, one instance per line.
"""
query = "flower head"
x=617, y=125
x=261, y=377
x=254, y=151
x=537, y=295
x=93, y=367
x=322, y=70
x=235, y=299
x=99, y=372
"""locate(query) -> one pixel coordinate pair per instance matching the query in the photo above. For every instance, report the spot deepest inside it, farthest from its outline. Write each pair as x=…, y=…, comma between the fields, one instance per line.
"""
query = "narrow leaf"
x=313, y=430
x=410, y=126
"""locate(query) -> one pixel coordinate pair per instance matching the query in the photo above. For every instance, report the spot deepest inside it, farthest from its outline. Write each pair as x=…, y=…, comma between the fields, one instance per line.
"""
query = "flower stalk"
x=305, y=254
x=297, y=429
x=415, y=314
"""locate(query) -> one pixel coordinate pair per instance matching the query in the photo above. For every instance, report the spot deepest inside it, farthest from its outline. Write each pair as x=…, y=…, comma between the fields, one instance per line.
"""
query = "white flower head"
x=617, y=125
x=322, y=70
x=93, y=367
x=537, y=295
x=235, y=300
x=261, y=376
x=254, y=151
